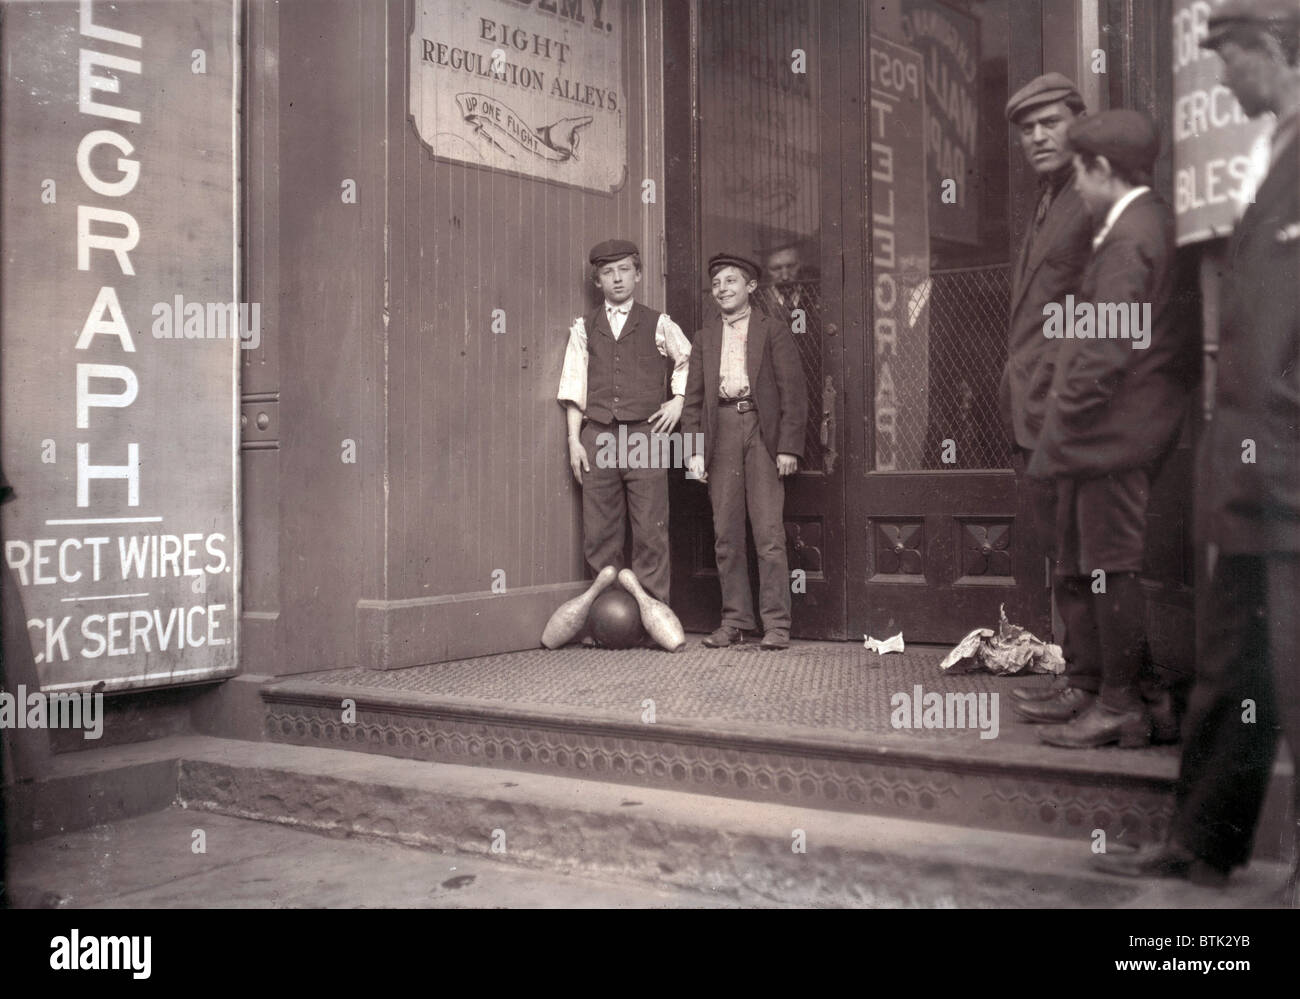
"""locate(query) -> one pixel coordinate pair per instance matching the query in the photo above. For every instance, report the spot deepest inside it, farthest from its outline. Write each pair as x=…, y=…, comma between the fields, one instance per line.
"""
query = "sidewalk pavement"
x=149, y=862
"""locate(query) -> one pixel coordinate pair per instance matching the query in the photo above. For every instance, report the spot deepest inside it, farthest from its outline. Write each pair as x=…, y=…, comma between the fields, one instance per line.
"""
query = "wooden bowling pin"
x=570, y=616
x=657, y=618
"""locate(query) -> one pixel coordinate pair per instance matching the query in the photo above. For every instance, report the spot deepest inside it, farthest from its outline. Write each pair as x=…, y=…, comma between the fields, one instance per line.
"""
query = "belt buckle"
x=744, y=406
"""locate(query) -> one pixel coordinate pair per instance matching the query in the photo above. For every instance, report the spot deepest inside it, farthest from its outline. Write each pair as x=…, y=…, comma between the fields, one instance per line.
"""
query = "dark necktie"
x=1044, y=203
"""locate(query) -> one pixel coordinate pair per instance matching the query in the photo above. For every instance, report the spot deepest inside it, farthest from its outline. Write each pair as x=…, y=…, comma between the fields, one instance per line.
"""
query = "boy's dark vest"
x=627, y=378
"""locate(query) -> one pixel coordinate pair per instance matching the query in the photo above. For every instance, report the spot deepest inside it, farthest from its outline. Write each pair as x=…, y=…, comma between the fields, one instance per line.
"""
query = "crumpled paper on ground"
x=880, y=647
x=1010, y=650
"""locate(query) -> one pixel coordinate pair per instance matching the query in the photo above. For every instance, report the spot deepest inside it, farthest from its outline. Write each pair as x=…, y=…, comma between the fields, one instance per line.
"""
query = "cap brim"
x=1037, y=101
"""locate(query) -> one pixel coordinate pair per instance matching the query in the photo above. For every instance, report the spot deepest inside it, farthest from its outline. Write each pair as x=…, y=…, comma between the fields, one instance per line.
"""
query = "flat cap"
x=720, y=260
x=610, y=250
x=1234, y=14
x=1046, y=89
x=1124, y=137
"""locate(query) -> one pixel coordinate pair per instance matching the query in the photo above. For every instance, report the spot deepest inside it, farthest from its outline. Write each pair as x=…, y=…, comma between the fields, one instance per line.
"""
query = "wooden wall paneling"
x=260, y=635
x=478, y=478
x=332, y=347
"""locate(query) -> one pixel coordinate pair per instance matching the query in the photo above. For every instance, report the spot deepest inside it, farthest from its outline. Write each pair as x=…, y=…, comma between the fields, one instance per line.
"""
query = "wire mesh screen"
x=969, y=309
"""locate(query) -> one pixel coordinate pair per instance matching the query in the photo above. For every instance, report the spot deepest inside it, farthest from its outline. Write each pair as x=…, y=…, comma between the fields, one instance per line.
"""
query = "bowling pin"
x=657, y=618
x=571, y=615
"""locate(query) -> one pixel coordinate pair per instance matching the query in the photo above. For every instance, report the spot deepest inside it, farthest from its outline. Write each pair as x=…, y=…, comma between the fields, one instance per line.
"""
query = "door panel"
x=936, y=543
x=770, y=189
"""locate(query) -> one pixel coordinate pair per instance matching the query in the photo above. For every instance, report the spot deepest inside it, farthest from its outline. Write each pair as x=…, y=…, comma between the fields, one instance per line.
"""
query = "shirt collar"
x=732, y=320
x=625, y=308
x=1116, y=210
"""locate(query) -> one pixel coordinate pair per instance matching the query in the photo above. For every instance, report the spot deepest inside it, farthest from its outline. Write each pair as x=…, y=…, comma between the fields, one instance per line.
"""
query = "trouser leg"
x=1228, y=748
x=765, y=498
x=604, y=507
x=727, y=495
x=1283, y=649
x=1080, y=642
x=647, y=505
x=1121, y=629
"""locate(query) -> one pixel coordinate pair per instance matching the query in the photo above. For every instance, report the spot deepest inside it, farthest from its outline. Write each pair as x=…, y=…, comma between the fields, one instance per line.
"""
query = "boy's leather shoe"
x=775, y=640
x=1162, y=860
x=723, y=637
x=1060, y=707
x=1058, y=684
x=1101, y=726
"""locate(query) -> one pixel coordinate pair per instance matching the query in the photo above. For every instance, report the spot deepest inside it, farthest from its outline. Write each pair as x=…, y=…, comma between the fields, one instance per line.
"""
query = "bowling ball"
x=615, y=619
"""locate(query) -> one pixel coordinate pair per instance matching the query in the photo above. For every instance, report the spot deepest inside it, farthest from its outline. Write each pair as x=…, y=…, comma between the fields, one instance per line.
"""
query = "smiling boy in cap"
x=746, y=394
x=620, y=364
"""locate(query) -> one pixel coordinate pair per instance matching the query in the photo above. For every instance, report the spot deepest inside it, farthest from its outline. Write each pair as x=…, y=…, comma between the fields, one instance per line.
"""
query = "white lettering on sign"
x=122, y=447
x=535, y=90
x=92, y=223
x=1219, y=154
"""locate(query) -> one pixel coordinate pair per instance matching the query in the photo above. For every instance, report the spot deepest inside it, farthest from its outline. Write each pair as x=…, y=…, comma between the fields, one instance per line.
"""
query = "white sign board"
x=533, y=87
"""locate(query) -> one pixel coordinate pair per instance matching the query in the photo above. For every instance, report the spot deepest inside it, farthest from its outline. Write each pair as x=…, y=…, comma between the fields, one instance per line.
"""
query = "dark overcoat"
x=1045, y=272
x=1254, y=505
x=1113, y=407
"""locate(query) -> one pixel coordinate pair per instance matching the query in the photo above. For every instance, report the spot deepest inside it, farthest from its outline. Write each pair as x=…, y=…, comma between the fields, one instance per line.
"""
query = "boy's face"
x=732, y=288
x=1094, y=185
x=618, y=279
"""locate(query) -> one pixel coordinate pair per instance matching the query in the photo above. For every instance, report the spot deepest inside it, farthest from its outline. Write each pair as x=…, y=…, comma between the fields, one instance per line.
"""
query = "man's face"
x=1094, y=186
x=732, y=288
x=618, y=279
x=1250, y=75
x=783, y=265
x=1042, y=136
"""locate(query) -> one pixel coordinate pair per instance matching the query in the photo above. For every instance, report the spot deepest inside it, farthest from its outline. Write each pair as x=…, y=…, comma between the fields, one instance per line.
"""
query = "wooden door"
x=935, y=536
x=758, y=172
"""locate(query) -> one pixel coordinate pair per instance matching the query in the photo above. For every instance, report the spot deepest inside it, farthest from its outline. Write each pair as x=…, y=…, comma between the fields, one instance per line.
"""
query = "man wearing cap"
x=746, y=394
x=619, y=365
x=1117, y=402
x=1248, y=641
x=1049, y=267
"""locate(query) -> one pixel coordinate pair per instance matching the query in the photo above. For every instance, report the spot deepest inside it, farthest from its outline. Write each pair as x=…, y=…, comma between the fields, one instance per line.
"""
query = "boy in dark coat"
x=746, y=394
x=1118, y=401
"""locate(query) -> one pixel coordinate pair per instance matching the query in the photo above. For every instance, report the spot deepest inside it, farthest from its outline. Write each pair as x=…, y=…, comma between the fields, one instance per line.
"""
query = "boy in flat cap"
x=1049, y=268
x=1118, y=400
x=746, y=394
x=624, y=374
x=1248, y=631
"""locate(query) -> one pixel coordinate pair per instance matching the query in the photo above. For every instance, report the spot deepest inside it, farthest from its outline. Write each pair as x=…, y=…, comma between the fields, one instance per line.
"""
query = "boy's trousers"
x=613, y=496
x=1248, y=657
x=743, y=478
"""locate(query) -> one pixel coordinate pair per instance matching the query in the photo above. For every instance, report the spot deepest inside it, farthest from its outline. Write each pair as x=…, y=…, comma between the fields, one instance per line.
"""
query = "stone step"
x=737, y=851
x=1011, y=784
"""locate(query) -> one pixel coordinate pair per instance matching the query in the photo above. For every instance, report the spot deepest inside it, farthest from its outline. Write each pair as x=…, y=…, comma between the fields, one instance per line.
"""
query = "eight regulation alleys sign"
x=529, y=86
x=121, y=339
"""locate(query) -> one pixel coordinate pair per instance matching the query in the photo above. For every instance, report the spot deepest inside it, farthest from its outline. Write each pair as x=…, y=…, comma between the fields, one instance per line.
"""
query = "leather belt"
x=742, y=405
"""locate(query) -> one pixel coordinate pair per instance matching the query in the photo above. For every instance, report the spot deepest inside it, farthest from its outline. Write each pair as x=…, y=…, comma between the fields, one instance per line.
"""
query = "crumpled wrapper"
x=881, y=646
x=1009, y=650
